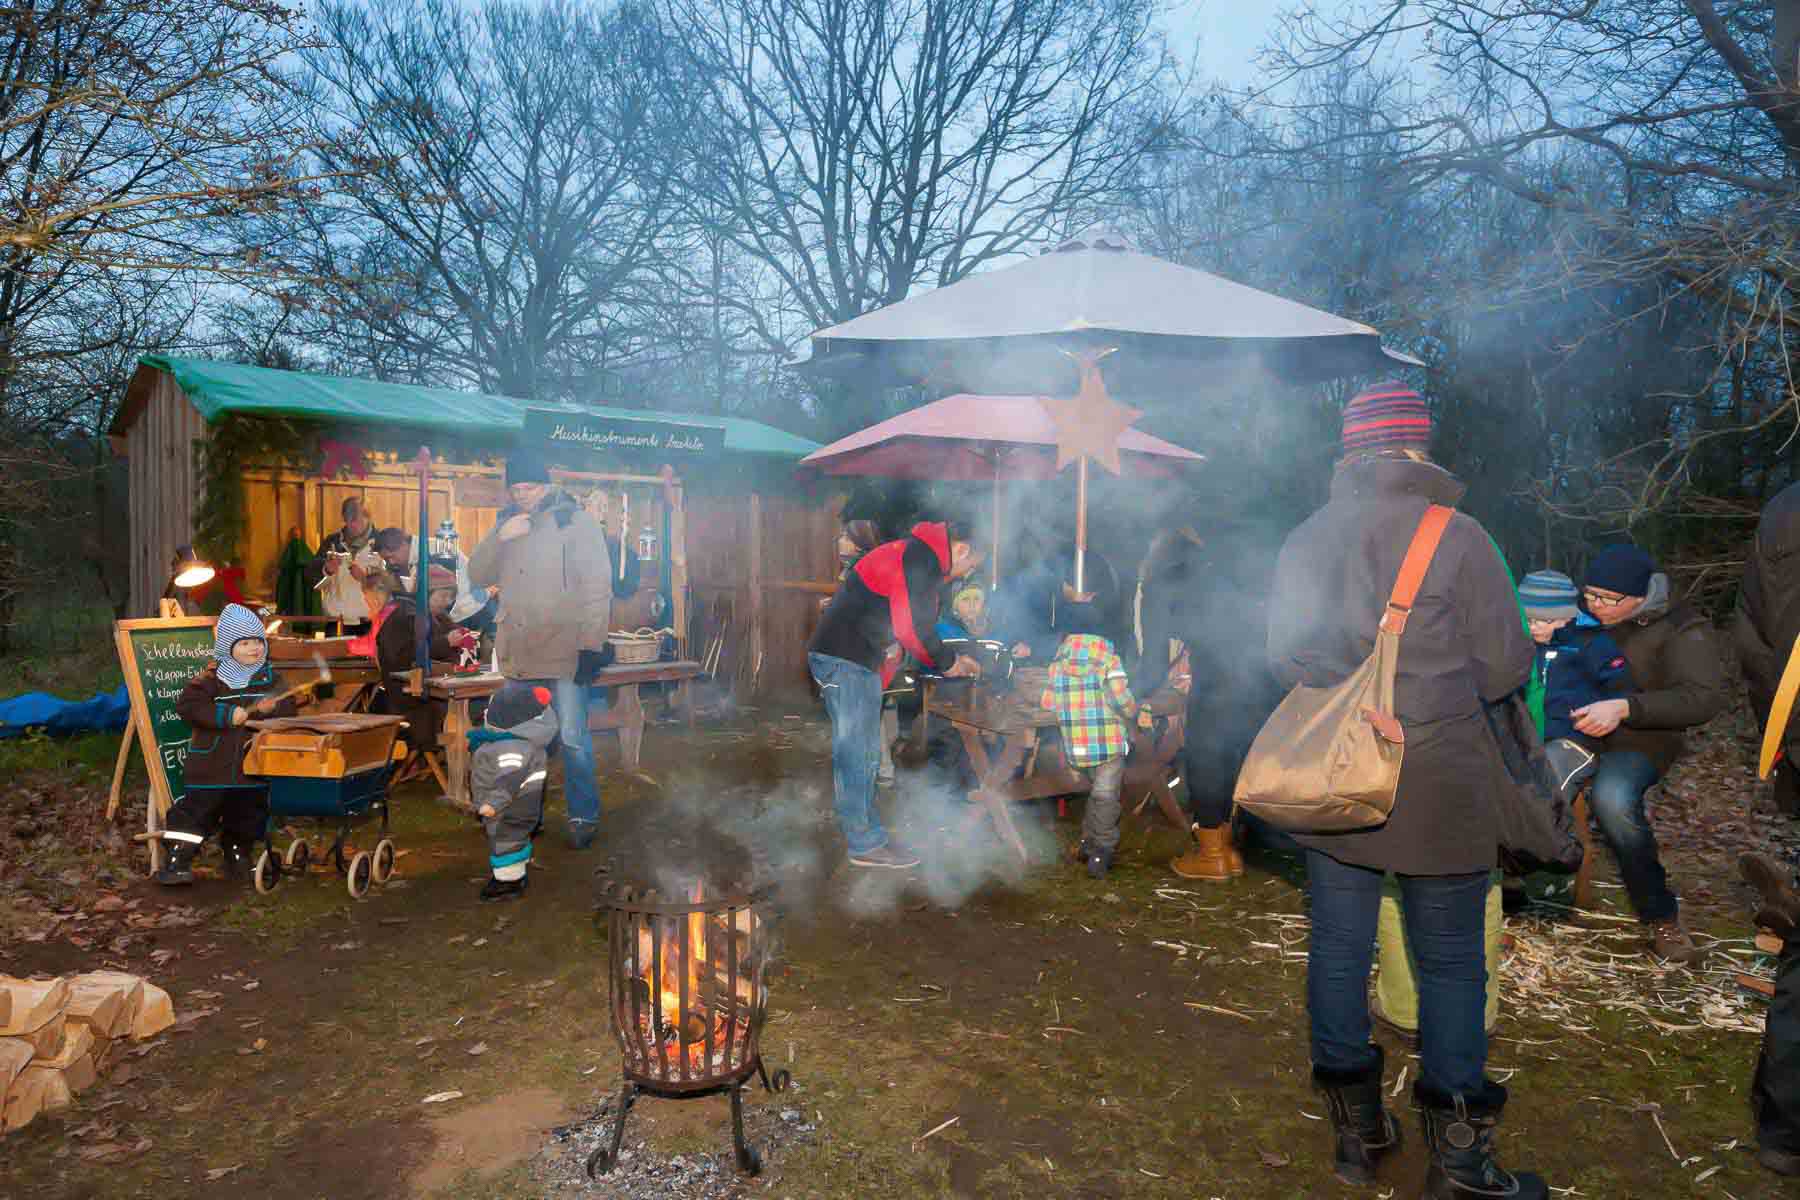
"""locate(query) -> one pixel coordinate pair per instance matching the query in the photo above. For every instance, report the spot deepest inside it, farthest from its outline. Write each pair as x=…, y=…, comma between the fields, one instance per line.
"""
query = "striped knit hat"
x=236, y=624
x=1549, y=596
x=1388, y=416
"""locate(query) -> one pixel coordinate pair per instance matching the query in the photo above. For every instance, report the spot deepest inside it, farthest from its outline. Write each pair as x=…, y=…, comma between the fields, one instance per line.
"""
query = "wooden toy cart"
x=332, y=768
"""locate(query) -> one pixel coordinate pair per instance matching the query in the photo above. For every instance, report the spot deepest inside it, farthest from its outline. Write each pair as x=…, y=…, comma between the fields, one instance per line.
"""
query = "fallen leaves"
x=109, y=1151
x=218, y=1173
x=478, y=1049
x=441, y=1097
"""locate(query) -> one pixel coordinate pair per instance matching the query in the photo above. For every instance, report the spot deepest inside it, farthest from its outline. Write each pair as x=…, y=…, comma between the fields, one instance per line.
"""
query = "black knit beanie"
x=1621, y=568
x=526, y=467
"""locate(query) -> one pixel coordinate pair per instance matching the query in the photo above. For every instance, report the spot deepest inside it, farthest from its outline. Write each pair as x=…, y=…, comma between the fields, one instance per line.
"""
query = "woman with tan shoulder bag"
x=1388, y=553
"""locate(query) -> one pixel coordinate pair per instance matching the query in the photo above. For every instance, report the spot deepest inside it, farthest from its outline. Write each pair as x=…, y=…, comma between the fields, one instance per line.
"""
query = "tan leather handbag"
x=1328, y=759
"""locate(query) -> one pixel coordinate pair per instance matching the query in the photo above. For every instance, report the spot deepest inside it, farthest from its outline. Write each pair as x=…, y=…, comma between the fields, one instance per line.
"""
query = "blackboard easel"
x=182, y=646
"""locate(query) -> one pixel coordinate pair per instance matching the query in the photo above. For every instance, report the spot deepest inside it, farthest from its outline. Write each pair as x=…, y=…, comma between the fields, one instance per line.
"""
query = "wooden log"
x=1757, y=984
x=155, y=1015
x=107, y=1001
x=106, y=1053
x=33, y=1002
x=77, y=1044
x=25, y=1099
x=47, y=1038
x=15, y=1055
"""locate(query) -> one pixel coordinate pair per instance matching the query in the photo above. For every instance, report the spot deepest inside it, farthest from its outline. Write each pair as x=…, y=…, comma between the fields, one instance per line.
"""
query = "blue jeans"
x=1617, y=797
x=1444, y=917
x=581, y=791
x=852, y=696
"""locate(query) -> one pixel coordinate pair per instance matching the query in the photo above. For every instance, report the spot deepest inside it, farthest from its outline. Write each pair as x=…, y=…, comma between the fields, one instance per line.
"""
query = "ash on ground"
x=774, y=1125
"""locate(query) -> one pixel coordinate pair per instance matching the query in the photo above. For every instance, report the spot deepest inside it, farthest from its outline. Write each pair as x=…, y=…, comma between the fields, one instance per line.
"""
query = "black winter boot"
x=178, y=863
x=1365, y=1130
x=1459, y=1133
x=502, y=889
x=237, y=859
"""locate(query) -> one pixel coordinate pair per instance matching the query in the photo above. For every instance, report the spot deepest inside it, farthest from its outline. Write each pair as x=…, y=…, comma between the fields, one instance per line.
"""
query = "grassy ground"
x=1137, y=1036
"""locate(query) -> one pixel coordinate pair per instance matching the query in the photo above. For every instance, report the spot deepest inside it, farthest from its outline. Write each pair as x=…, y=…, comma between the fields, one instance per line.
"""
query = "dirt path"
x=1127, y=1037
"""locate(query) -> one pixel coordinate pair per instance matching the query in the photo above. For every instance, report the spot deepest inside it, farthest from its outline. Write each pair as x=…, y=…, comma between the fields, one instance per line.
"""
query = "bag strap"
x=1412, y=569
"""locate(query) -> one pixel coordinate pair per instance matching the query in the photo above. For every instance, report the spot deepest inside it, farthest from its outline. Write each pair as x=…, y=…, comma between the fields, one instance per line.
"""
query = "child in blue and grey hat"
x=1578, y=662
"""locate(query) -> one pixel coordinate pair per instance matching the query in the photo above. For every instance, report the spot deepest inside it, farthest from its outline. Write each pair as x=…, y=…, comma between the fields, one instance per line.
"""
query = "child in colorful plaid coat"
x=1092, y=699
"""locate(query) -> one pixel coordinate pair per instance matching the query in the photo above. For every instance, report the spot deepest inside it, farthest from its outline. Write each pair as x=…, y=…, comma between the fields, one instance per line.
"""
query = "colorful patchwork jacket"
x=1092, y=699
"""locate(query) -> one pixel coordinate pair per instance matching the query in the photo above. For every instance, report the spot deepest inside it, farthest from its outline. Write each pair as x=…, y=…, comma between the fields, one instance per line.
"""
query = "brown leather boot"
x=1232, y=855
x=1208, y=859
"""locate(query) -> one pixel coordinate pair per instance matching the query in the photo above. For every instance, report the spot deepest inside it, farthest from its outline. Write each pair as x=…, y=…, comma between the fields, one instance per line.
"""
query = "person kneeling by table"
x=506, y=779
x=218, y=796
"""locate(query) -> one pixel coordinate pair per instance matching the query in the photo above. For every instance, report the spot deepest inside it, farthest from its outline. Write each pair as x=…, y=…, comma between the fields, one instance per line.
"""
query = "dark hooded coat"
x=1211, y=592
x=1464, y=646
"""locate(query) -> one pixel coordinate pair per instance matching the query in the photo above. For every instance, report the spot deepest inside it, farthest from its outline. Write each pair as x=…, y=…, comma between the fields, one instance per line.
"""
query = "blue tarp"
x=39, y=710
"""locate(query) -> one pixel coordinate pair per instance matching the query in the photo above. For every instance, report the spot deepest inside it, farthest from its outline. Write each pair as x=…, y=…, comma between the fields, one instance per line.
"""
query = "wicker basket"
x=636, y=648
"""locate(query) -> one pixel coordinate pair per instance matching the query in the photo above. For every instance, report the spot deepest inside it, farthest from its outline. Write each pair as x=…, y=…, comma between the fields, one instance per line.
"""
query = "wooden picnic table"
x=1013, y=724
x=625, y=713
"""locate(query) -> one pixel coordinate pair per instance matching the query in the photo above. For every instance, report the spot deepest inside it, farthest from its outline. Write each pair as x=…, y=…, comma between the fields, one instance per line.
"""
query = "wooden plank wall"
x=280, y=502
x=798, y=566
x=164, y=481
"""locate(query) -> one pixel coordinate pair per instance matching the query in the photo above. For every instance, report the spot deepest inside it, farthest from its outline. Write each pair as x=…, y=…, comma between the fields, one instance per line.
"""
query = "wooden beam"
x=757, y=625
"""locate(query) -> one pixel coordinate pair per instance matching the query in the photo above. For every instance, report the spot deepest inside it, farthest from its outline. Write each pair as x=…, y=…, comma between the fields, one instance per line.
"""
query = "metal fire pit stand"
x=734, y=994
x=606, y=1155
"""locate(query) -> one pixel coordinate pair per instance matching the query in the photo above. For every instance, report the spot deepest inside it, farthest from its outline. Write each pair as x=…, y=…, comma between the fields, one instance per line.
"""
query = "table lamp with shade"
x=186, y=572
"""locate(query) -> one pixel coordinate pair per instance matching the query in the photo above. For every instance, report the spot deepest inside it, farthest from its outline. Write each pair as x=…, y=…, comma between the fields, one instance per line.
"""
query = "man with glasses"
x=1677, y=682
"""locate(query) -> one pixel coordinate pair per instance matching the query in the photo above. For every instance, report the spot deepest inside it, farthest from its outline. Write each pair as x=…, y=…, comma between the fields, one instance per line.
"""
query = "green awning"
x=218, y=388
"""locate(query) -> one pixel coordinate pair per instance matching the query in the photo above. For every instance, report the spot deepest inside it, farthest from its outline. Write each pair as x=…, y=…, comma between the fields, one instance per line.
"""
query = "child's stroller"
x=333, y=768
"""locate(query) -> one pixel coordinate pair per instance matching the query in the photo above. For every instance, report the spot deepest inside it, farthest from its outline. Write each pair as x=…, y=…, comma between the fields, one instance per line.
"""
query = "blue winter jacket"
x=1581, y=664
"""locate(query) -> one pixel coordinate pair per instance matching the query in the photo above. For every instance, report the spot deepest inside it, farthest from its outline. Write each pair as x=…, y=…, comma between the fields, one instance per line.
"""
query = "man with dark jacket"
x=549, y=560
x=1767, y=624
x=1211, y=593
x=889, y=594
x=1775, y=1088
x=351, y=546
x=1677, y=682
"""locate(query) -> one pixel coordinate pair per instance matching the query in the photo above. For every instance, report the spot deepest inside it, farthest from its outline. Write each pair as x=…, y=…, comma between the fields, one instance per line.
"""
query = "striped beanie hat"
x=1388, y=416
x=236, y=624
x=1549, y=596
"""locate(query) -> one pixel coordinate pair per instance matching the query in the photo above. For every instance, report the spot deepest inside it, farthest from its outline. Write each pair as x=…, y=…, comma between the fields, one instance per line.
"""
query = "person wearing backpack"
x=1462, y=645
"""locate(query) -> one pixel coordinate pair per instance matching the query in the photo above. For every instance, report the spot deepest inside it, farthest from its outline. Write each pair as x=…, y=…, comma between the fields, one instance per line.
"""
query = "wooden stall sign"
x=159, y=657
x=580, y=439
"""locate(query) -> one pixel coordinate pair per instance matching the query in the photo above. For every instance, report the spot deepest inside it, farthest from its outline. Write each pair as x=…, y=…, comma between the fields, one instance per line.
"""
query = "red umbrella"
x=979, y=438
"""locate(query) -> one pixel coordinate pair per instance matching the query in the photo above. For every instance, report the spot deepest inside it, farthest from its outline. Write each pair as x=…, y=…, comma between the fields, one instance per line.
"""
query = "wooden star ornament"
x=1089, y=423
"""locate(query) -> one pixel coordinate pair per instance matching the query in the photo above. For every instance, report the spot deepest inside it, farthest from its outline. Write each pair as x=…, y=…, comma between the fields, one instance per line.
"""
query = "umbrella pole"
x=994, y=547
x=1081, y=473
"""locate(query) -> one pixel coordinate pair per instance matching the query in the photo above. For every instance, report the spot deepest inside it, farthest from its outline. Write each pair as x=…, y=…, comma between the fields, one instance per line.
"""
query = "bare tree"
x=858, y=149
x=133, y=134
x=514, y=198
x=1665, y=134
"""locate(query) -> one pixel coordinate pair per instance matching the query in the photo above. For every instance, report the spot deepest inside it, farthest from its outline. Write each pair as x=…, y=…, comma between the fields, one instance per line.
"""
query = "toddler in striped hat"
x=1577, y=661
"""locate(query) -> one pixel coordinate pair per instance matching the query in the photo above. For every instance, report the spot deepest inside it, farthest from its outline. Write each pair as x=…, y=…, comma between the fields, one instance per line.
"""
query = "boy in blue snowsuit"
x=1578, y=662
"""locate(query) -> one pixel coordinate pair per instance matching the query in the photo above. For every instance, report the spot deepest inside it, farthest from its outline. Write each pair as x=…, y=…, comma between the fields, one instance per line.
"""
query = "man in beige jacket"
x=549, y=561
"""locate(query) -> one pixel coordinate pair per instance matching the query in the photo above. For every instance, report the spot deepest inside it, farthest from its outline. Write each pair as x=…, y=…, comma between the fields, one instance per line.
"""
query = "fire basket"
x=686, y=995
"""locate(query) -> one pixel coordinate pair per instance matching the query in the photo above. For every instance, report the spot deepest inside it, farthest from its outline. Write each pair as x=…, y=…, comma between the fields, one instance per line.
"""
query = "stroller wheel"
x=297, y=856
x=267, y=873
x=357, y=877
x=382, y=862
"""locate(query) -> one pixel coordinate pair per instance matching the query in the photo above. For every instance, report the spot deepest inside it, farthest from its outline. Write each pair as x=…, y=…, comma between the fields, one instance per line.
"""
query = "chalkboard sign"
x=159, y=657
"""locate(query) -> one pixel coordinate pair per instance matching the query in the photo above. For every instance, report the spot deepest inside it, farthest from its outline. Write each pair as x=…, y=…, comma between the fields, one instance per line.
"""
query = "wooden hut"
x=746, y=553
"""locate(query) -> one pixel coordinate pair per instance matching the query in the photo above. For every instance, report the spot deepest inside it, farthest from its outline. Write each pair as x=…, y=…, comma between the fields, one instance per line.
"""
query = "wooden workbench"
x=1013, y=724
x=624, y=715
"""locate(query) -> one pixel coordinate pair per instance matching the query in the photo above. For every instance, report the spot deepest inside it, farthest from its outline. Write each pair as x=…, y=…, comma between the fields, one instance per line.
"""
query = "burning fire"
x=690, y=957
